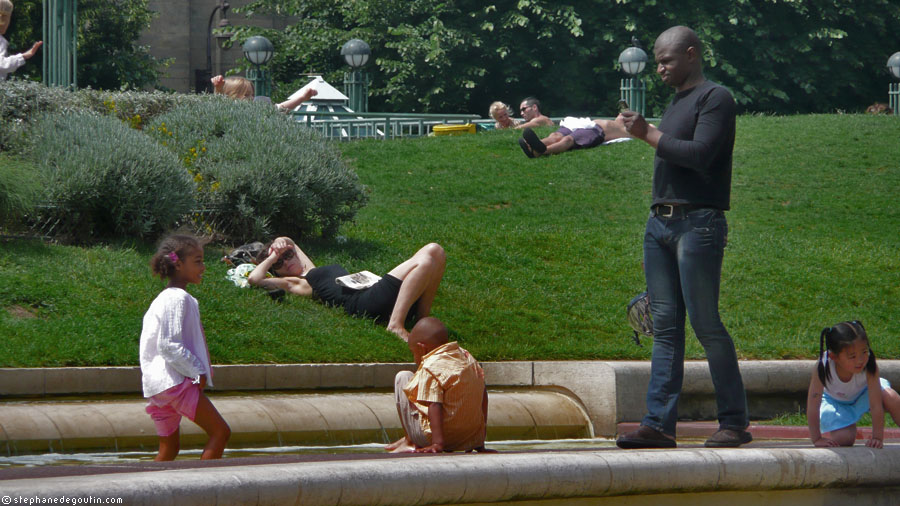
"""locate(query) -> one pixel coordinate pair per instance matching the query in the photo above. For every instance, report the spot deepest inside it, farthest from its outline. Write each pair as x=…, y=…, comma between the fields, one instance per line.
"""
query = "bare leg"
x=552, y=138
x=169, y=446
x=891, y=401
x=561, y=146
x=421, y=275
x=209, y=419
x=843, y=437
x=408, y=416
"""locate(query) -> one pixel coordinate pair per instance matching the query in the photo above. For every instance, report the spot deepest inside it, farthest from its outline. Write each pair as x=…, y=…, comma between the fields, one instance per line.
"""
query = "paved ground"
x=692, y=435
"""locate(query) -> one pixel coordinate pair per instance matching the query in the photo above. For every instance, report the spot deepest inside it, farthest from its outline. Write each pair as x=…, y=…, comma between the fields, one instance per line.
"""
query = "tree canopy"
x=777, y=56
x=109, y=57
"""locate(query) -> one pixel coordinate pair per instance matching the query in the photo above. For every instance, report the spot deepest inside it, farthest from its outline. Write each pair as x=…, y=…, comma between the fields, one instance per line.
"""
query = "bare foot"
x=399, y=331
x=401, y=445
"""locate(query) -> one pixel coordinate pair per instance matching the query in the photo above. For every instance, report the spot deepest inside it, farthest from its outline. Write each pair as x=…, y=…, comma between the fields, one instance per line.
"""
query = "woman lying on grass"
x=405, y=293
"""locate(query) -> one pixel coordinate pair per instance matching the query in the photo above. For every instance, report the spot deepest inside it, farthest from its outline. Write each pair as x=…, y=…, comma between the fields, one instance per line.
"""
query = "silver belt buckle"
x=666, y=215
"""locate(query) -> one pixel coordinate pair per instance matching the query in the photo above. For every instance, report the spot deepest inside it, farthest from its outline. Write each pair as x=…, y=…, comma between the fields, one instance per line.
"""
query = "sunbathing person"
x=241, y=88
x=573, y=133
x=500, y=113
x=405, y=293
x=530, y=108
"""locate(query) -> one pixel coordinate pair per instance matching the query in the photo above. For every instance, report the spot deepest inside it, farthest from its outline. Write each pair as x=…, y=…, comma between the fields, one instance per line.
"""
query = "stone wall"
x=179, y=32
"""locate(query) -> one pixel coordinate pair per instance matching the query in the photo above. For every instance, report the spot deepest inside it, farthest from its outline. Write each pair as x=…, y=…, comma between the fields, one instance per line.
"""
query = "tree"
x=109, y=57
x=459, y=55
x=429, y=56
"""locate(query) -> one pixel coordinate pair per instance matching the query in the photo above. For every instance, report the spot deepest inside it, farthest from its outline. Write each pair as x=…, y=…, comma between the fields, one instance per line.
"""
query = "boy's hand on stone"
x=434, y=448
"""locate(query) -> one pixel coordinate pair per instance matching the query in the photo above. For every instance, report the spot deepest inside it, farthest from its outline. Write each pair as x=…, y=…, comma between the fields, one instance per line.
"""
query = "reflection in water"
x=68, y=459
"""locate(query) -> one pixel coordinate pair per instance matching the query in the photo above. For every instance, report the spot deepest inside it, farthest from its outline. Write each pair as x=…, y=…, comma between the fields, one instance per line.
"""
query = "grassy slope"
x=543, y=255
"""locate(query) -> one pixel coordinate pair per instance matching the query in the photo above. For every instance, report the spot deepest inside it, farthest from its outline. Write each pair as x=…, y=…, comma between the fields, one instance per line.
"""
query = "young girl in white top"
x=844, y=386
x=174, y=356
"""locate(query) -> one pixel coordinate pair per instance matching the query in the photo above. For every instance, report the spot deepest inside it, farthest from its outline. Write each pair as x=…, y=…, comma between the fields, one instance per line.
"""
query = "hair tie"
x=173, y=256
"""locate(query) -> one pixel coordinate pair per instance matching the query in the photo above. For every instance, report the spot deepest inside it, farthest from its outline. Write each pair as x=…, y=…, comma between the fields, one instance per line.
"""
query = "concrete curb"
x=268, y=420
x=610, y=392
x=490, y=478
x=702, y=430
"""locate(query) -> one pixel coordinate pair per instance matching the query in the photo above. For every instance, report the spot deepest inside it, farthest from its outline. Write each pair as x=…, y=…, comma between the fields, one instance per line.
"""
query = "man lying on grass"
x=403, y=294
x=573, y=133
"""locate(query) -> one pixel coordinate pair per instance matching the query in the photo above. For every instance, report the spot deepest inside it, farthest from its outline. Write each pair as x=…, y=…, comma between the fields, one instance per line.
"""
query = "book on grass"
x=358, y=280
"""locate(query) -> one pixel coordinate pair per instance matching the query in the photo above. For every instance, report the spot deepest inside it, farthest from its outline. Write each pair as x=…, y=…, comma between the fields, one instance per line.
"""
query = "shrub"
x=106, y=180
x=22, y=100
x=19, y=189
x=258, y=171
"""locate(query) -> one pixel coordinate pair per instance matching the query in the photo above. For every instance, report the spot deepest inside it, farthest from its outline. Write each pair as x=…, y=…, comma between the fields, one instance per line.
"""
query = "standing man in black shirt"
x=684, y=242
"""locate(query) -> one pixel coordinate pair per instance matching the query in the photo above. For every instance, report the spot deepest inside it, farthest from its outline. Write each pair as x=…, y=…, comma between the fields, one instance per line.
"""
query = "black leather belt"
x=670, y=210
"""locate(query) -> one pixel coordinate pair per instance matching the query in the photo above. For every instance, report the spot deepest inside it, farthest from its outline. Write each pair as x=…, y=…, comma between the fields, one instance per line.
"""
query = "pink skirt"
x=166, y=408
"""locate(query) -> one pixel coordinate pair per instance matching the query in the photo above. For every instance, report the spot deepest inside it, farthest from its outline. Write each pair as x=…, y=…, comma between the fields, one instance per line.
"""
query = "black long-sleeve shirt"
x=693, y=158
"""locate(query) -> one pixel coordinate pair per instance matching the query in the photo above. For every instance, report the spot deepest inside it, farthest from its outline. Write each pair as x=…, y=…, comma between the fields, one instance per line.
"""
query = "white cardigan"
x=8, y=64
x=173, y=346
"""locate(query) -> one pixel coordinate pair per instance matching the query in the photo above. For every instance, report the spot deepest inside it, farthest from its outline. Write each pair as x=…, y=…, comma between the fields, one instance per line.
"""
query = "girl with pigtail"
x=175, y=362
x=845, y=385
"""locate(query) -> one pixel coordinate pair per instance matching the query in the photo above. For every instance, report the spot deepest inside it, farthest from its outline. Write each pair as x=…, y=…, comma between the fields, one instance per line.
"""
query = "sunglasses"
x=287, y=255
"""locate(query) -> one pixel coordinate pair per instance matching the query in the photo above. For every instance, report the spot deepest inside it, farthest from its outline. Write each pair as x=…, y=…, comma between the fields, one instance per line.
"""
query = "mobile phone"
x=622, y=105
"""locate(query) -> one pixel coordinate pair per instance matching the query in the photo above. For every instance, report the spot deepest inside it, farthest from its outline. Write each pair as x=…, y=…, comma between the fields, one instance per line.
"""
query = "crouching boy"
x=443, y=406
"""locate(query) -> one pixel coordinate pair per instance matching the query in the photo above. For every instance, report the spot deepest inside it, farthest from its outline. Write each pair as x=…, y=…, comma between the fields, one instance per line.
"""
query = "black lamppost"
x=202, y=76
x=258, y=50
x=356, y=82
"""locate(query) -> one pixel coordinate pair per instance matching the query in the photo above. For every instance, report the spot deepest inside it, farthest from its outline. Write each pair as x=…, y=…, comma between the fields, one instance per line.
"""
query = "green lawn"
x=799, y=419
x=543, y=255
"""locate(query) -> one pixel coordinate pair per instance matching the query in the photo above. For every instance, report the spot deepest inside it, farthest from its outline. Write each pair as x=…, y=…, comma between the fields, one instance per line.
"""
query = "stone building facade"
x=180, y=32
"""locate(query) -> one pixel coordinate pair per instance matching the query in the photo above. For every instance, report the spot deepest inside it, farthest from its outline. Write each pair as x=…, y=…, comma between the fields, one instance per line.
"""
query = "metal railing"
x=345, y=125
x=894, y=97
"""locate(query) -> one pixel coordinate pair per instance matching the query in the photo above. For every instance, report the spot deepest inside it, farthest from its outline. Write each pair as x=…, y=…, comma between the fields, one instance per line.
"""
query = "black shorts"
x=378, y=301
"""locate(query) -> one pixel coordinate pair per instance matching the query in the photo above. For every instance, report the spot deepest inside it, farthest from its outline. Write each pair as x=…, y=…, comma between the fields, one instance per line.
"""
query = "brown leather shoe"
x=644, y=437
x=728, y=438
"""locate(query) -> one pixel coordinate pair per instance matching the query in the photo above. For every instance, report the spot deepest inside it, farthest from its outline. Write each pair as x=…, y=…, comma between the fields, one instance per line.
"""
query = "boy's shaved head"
x=429, y=331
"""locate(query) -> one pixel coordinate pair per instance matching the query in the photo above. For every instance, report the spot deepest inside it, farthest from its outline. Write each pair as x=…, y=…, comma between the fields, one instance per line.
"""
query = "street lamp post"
x=258, y=50
x=893, y=65
x=356, y=82
x=632, y=89
x=202, y=77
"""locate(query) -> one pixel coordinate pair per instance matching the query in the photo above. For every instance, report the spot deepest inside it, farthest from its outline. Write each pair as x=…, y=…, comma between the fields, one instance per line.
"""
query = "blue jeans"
x=683, y=265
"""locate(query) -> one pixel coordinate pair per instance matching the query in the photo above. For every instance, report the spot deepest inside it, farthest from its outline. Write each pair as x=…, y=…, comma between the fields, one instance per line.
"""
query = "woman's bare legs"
x=421, y=275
